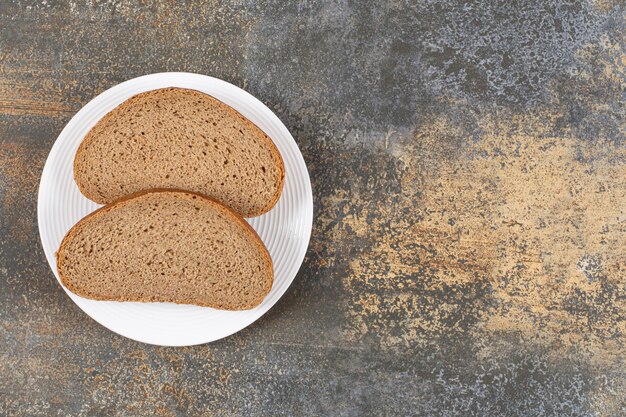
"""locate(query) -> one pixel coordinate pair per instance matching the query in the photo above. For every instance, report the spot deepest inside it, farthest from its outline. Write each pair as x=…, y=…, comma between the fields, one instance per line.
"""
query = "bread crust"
x=120, y=202
x=111, y=114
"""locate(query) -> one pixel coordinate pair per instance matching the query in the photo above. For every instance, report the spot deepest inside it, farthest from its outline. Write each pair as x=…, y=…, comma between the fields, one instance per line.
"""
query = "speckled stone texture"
x=468, y=253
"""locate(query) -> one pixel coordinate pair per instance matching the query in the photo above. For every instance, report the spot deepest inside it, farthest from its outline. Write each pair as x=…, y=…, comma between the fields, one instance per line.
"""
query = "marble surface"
x=468, y=163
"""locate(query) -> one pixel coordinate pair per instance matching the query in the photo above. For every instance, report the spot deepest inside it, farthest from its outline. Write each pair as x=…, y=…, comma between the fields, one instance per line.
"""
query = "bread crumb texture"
x=180, y=139
x=167, y=246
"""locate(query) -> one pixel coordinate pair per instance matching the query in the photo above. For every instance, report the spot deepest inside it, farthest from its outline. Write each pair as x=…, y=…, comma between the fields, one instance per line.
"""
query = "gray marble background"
x=468, y=169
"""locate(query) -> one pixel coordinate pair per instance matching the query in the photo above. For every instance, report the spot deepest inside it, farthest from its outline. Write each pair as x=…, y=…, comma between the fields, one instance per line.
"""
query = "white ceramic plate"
x=285, y=230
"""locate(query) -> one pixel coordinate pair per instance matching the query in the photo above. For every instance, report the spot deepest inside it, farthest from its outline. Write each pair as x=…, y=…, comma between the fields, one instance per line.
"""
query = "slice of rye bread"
x=170, y=246
x=180, y=139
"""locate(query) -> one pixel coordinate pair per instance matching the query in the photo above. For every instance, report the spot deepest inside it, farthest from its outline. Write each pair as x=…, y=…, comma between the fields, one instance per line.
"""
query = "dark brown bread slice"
x=165, y=245
x=180, y=139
